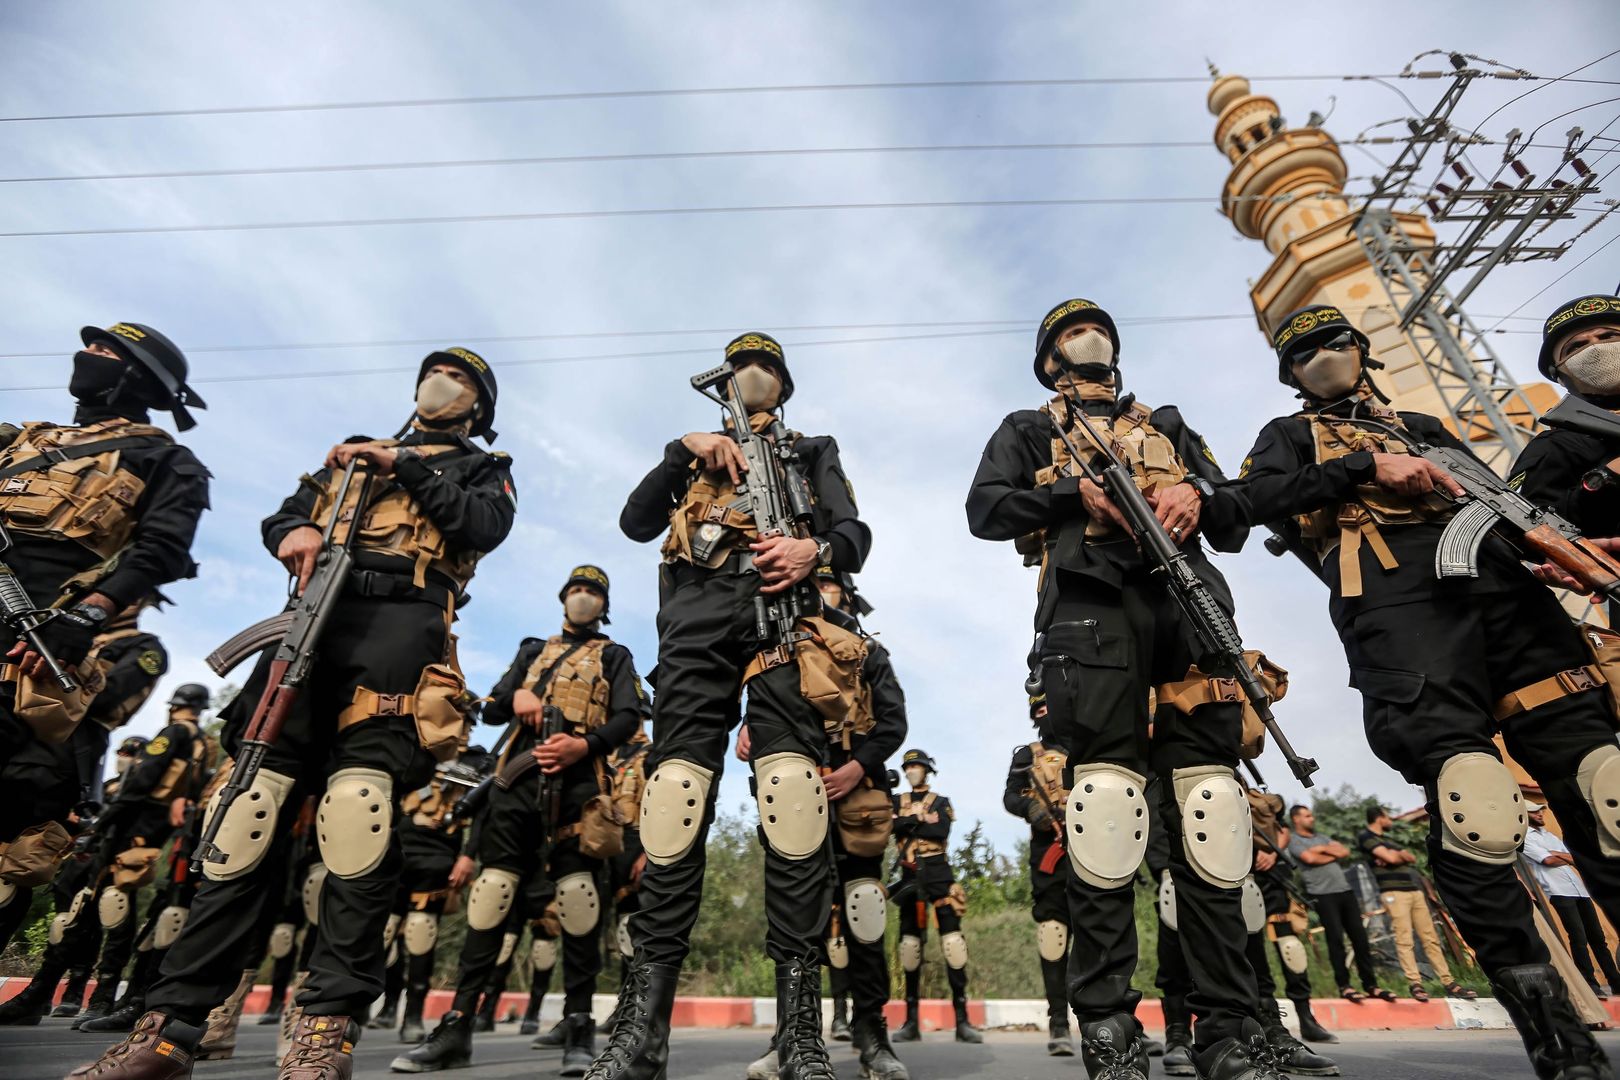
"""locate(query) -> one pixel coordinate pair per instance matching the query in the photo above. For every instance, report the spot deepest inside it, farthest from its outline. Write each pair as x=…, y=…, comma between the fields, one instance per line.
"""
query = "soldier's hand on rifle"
x=380, y=458
x=298, y=551
x=69, y=638
x=527, y=707
x=1264, y=860
x=1101, y=508
x=462, y=871
x=783, y=561
x=843, y=780
x=560, y=751
x=744, y=744
x=177, y=812
x=717, y=452
x=1177, y=509
x=1037, y=816
x=1550, y=573
x=1408, y=474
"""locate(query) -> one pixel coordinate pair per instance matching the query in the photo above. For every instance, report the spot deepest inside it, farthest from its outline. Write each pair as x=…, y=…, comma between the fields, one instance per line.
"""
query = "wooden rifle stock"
x=1582, y=560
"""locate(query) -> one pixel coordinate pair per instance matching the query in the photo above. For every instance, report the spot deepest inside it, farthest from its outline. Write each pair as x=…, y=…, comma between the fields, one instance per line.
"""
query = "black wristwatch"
x=91, y=613
x=1205, y=489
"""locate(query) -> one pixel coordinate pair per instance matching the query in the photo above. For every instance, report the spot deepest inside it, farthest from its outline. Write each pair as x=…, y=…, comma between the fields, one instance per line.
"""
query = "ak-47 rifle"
x=774, y=493
x=552, y=722
x=1488, y=504
x=298, y=631
x=1216, y=631
x=24, y=619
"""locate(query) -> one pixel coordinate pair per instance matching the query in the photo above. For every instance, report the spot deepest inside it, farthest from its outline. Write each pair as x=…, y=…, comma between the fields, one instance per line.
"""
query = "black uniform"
x=430, y=840
x=383, y=632
x=1048, y=889
x=514, y=835
x=41, y=777
x=1433, y=657
x=706, y=637
x=1111, y=633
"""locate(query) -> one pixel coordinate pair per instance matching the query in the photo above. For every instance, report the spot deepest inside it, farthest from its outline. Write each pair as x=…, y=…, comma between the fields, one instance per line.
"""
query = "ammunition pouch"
x=706, y=528
x=955, y=898
x=600, y=829
x=865, y=821
x=1199, y=689
x=32, y=857
x=136, y=867
x=830, y=668
x=440, y=726
x=51, y=712
x=1150, y=456
x=571, y=678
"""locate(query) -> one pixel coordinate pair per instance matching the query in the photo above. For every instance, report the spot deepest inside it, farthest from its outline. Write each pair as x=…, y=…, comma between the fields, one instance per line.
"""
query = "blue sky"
x=911, y=412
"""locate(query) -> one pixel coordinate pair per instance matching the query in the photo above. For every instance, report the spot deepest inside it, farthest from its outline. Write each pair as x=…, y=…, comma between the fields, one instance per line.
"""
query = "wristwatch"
x=823, y=552
x=1205, y=489
x=91, y=613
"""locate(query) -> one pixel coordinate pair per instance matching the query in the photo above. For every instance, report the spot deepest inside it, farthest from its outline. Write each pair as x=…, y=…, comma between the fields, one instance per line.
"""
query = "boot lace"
x=1113, y=1061
x=1264, y=1059
x=630, y=1019
x=803, y=1031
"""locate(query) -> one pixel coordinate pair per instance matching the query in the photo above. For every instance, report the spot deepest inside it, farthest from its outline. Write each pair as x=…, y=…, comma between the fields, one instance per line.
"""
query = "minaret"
x=1286, y=189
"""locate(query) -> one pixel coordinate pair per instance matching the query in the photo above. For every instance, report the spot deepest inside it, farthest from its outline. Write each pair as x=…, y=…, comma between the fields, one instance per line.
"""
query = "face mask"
x=1329, y=373
x=583, y=608
x=759, y=386
x=916, y=775
x=1090, y=348
x=121, y=765
x=94, y=377
x=1595, y=368
x=440, y=397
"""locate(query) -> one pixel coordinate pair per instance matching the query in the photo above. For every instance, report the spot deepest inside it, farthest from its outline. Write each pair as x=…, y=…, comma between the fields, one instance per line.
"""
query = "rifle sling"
x=507, y=772
x=71, y=453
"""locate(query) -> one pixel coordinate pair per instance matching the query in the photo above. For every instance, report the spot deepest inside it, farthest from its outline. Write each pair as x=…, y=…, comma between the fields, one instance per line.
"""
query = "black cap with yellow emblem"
x=478, y=369
x=1037, y=702
x=918, y=757
x=160, y=359
x=758, y=346
x=1306, y=329
x=1062, y=316
x=592, y=577
x=1576, y=314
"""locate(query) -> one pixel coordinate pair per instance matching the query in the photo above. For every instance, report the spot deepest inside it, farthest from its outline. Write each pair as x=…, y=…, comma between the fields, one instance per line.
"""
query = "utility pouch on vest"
x=865, y=821
x=32, y=857
x=50, y=711
x=830, y=663
x=439, y=724
x=135, y=867
x=1604, y=644
x=601, y=830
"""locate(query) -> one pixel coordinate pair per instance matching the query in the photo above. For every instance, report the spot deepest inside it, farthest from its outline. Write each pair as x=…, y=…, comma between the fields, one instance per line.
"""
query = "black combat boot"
x=529, y=1022
x=449, y=1047
x=579, y=1046
x=387, y=1014
x=871, y=1038
x=1559, y=1044
x=72, y=1002
x=1292, y=1055
x=1059, y=1042
x=1178, y=1052
x=1114, y=1049
x=484, y=1020
x=638, y=1047
x=553, y=1039
x=1245, y=1057
x=30, y=1006
x=965, y=1032
x=908, y=1031
x=100, y=1004
x=839, y=1028
x=1309, y=1029
x=799, y=1050
x=411, y=1028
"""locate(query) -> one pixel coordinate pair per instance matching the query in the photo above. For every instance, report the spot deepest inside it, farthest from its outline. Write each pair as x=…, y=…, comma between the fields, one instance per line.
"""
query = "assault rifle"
x=298, y=631
x=1488, y=504
x=1578, y=414
x=552, y=722
x=774, y=493
x=1216, y=631
x=24, y=619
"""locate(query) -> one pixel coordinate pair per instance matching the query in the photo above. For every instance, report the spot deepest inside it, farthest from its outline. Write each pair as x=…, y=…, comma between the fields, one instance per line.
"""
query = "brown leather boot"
x=290, y=1016
x=219, y=1040
x=159, y=1048
x=322, y=1049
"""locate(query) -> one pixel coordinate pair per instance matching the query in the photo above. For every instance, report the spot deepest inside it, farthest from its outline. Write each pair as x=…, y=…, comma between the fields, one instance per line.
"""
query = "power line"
x=1590, y=256
x=715, y=91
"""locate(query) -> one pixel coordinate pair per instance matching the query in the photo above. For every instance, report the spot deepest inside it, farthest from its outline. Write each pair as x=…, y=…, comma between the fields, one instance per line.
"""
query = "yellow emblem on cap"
x=754, y=343
x=1067, y=309
x=590, y=573
x=1306, y=321
x=128, y=331
x=471, y=357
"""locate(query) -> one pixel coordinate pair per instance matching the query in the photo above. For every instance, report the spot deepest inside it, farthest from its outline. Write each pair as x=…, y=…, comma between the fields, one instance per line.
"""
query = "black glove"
x=1037, y=816
x=70, y=635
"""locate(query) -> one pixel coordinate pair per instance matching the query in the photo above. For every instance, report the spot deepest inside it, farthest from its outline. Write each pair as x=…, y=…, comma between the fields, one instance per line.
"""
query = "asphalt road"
x=50, y=1050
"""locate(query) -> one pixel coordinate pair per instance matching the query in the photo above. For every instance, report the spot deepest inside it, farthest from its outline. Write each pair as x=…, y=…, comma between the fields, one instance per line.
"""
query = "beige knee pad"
x=421, y=933
x=1253, y=904
x=171, y=920
x=1599, y=778
x=7, y=891
x=1481, y=810
x=866, y=910
x=672, y=808
x=1167, y=900
x=58, y=928
x=1051, y=939
x=543, y=953
x=792, y=804
x=355, y=821
x=113, y=907
x=490, y=898
x=627, y=948
x=1216, y=834
x=578, y=905
x=509, y=942
x=910, y=952
x=837, y=952
x=281, y=940
x=391, y=929
x=954, y=946
x=248, y=830
x=1106, y=824
x=1292, y=953
x=313, y=883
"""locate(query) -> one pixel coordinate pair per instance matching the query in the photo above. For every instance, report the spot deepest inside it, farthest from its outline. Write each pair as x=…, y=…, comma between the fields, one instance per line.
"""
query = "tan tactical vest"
x=177, y=777
x=629, y=781
x=709, y=516
x=89, y=500
x=578, y=687
x=394, y=525
x=1046, y=775
x=1346, y=525
x=1151, y=456
x=432, y=809
x=911, y=805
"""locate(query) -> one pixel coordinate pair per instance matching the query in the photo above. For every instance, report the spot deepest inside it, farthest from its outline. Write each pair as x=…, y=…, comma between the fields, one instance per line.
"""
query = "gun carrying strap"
x=55, y=456
x=1550, y=689
x=538, y=689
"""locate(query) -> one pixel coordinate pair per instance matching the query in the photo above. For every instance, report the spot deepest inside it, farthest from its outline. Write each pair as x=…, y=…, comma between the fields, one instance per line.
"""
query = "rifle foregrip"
x=1582, y=560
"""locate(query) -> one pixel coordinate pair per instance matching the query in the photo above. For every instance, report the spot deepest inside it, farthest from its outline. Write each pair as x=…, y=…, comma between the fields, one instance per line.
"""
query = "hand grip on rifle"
x=17, y=611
